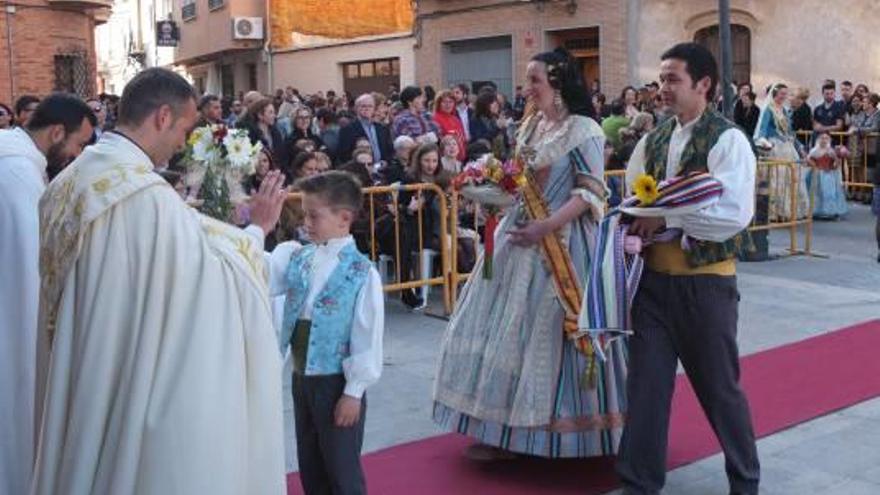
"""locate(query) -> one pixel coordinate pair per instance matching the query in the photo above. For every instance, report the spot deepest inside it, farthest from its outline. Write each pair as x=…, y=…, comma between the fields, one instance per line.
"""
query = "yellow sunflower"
x=645, y=188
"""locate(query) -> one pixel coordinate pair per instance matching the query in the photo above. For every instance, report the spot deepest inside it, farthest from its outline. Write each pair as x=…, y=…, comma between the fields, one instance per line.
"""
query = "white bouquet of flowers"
x=217, y=160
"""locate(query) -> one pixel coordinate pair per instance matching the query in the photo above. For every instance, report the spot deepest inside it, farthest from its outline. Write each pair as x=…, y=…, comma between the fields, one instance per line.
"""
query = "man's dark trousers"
x=694, y=319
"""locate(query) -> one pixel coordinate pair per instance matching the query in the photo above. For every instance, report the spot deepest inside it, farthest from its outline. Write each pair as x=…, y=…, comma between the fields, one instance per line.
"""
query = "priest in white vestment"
x=164, y=375
x=59, y=128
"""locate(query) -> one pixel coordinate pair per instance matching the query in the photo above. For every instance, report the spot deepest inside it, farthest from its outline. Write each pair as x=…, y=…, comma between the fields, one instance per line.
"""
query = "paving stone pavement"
x=784, y=300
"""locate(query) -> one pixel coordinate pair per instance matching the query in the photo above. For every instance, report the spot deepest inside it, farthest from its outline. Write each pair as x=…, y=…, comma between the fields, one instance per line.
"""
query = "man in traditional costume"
x=57, y=131
x=159, y=362
x=686, y=305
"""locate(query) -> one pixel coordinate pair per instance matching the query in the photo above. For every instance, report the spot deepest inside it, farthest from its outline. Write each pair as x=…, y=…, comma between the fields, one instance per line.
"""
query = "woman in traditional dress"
x=507, y=375
x=774, y=131
x=826, y=179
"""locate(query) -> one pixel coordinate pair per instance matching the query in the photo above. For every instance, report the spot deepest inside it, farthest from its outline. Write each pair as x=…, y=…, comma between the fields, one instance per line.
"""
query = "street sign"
x=167, y=33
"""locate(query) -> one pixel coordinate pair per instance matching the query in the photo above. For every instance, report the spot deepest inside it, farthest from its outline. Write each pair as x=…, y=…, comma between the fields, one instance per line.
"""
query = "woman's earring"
x=558, y=103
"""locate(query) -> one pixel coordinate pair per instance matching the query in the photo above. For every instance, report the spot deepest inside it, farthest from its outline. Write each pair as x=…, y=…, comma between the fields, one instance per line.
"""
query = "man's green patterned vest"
x=694, y=158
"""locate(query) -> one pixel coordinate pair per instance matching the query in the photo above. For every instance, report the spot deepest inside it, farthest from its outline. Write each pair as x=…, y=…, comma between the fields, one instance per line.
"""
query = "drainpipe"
x=267, y=47
x=10, y=10
x=633, y=11
x=726, y=56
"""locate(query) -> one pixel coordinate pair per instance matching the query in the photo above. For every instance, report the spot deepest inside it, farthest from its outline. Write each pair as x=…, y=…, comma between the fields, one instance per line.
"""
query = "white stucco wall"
x=112, y=41
x=319, y=69
x=798, y=43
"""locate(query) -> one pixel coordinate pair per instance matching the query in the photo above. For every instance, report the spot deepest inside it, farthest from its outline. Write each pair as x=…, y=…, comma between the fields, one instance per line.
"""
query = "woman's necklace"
x=546, y=126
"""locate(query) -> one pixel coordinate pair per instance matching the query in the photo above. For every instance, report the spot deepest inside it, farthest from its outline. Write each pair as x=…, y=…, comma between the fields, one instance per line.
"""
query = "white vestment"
x=163, y=371
x=22, y=170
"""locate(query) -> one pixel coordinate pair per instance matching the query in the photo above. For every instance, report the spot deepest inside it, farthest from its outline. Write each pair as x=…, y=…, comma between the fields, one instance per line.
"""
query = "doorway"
x=741, y=41
x=583, y=44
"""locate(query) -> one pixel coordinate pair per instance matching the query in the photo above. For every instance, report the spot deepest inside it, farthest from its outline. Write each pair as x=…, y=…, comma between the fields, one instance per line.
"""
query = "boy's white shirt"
x=363, y=367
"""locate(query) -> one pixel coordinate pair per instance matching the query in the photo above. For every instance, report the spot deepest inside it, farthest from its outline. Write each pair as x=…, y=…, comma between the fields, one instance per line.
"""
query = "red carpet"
x=786, y=386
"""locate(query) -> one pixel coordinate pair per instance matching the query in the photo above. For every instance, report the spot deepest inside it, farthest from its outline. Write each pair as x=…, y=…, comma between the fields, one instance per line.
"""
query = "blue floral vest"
x=333, y=311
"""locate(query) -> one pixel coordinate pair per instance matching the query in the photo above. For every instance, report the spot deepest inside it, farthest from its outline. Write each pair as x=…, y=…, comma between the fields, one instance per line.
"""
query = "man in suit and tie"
x=461, y=94
x=363, y=127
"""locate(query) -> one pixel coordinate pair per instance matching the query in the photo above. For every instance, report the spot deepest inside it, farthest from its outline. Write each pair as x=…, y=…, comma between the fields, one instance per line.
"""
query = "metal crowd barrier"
x=767, y=171
x=378, y=197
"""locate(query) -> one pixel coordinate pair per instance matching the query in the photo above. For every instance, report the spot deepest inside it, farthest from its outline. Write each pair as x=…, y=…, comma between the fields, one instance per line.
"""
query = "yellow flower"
x=645, y=188
x=521, y=180
x=497, y=174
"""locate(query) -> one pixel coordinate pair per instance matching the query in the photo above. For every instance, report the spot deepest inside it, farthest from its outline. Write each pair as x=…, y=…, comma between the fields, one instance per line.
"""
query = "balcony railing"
x=188, y=11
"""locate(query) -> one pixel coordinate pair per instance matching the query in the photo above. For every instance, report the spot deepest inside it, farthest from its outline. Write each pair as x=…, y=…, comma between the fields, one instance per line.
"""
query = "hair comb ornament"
x=556, y=71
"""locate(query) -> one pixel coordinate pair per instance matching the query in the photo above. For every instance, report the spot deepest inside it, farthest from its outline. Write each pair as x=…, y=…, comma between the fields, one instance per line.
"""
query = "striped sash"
x=565, y=278
x=615, y=274
x=677, y=196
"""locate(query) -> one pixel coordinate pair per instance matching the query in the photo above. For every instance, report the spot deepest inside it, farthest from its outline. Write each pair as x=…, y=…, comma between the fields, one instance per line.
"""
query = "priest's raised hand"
x=267, y=202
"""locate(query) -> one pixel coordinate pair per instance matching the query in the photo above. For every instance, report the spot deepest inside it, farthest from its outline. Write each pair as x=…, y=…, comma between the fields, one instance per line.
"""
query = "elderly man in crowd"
x=364, y=127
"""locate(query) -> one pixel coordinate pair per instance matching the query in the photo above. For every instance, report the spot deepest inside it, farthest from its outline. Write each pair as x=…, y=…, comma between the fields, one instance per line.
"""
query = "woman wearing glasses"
x=302, y=129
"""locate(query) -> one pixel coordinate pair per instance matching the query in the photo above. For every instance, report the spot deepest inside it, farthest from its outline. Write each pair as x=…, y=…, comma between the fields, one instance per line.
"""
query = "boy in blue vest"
x=333, y=322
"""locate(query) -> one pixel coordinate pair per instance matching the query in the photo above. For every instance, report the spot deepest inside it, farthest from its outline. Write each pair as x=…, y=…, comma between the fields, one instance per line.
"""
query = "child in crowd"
x=425, y=168
x=449, y=160
x=825, y=179
x=333, y=323
x=265, y=163
x=362, y=168
x=324, y=162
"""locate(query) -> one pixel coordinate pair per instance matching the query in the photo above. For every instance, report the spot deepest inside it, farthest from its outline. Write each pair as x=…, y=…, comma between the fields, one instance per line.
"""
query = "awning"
x=339, y=19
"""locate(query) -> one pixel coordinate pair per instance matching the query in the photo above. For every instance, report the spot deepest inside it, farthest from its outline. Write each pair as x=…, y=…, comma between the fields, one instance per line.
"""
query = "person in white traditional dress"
x=60, y=127
x=774, y=135
x=156, y=352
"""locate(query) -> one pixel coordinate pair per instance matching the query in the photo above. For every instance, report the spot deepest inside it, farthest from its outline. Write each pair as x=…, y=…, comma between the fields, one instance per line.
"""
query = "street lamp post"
x=762, y=248
x=267, y=49
x=726, y=56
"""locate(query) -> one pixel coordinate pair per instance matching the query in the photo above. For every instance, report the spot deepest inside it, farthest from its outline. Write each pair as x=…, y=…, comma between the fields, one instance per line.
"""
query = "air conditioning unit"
x=247, y=28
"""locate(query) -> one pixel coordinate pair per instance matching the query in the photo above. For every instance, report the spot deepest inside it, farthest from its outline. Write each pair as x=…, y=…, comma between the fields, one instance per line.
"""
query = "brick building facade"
x=52, y=47
x=620, y=41
x=466, y=40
